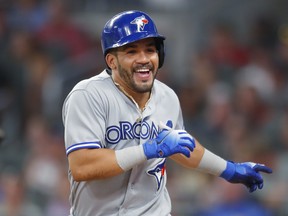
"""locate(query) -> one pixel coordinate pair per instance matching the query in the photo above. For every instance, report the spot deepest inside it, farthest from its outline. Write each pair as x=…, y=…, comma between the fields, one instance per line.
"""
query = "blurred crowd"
x=236, y=104
x=234, y=100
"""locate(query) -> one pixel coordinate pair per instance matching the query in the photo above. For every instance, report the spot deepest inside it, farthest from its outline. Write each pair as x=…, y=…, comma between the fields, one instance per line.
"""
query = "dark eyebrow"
x=152, y=43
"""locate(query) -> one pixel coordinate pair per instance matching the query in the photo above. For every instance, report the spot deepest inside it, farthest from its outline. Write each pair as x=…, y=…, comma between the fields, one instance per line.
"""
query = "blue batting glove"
x=246, y=173
x=169, y=142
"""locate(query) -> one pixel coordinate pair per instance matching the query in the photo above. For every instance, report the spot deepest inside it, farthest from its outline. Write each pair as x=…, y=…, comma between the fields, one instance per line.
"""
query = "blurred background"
x=226, y=59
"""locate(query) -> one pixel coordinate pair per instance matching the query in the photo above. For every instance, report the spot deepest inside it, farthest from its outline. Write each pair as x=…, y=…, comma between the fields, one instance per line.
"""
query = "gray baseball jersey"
x=96, y=114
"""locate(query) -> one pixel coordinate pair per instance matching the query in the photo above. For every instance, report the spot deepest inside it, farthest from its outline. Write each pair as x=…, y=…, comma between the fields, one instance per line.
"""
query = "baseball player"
x=123, y=124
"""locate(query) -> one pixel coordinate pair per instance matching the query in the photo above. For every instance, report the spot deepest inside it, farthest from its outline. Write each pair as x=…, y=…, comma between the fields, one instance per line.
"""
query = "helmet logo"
x=140, y=22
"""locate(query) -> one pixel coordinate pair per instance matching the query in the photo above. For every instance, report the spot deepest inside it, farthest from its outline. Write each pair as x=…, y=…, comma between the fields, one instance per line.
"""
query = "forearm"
x=246, y=173
x=212, y=163
x=195, y=157
x=202, y=160
x=89, y=164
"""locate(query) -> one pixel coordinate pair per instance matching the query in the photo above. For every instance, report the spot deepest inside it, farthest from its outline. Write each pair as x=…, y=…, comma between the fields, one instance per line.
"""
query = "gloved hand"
x=169, y=142
x=246, y=173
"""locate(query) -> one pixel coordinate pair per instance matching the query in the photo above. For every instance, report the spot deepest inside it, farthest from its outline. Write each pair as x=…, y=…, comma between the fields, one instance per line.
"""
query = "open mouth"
x=143, y=73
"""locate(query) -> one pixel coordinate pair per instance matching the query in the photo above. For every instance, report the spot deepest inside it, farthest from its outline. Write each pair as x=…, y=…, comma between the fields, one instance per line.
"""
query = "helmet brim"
x=135, y=37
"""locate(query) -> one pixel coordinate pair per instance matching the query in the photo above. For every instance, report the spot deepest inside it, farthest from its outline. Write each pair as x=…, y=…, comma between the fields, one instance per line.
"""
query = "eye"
x=130, y=51
x=151, y=50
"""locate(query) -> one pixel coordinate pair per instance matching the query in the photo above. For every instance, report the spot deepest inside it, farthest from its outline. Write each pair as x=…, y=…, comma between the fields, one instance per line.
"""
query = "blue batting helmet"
x=128, y=27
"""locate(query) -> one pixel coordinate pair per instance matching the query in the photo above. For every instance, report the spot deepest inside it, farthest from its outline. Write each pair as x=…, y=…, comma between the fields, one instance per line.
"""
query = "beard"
x=142, y=86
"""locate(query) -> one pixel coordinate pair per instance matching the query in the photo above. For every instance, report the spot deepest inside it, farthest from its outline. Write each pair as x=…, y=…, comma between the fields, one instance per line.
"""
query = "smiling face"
x=134, y=66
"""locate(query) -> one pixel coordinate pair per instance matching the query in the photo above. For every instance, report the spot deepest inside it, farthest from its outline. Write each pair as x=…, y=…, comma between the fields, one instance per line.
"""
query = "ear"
x=111, y=60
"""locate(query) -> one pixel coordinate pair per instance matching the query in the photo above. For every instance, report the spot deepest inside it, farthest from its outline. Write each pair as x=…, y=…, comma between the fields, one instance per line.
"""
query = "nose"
x=143, y=58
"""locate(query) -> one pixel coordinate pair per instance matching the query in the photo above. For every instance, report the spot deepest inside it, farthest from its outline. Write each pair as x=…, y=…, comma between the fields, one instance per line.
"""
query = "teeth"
x=143, y=70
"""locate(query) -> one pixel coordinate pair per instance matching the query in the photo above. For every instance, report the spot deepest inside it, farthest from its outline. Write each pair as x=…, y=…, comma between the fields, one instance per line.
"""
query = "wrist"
x=211, y=163
x=129, y=157
x=229, y=171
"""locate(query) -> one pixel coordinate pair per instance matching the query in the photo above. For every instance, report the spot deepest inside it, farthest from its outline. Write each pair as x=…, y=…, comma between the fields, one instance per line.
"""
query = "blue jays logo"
x=140, y=22
x=158, y=172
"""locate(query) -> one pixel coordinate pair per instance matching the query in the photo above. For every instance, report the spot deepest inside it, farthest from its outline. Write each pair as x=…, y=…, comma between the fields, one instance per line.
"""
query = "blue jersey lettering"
x=128, y=131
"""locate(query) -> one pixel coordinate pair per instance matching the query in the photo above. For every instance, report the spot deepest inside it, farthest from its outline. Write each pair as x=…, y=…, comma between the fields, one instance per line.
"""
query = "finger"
x=188, y=138
x=260, y=186
x=252, y=188
x=183, y=132
x=188, y=144
x=257, y=178
x=184, y=151
x=262, y=168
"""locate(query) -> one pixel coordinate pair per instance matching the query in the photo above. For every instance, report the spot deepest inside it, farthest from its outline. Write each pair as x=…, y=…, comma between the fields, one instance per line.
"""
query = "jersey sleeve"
x=180, y=123
x=83, y=121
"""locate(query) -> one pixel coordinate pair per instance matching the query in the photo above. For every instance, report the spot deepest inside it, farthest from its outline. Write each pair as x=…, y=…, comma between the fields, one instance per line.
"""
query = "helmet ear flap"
x=161, y=52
